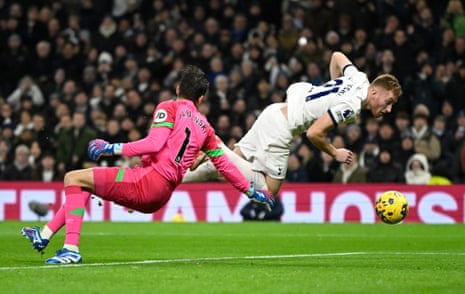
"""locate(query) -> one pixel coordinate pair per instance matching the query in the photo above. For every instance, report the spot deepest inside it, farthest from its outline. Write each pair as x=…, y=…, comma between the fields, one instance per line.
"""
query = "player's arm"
x=337, y=64
x=317, y=134
x=160, y=129
x=152, y=143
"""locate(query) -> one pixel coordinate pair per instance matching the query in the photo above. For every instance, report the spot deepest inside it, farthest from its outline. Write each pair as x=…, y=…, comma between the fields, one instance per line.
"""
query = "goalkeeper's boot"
x=65, y=256
x=33, y=235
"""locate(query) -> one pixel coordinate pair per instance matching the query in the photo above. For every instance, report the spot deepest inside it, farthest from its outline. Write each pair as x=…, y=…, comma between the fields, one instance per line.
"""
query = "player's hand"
x=99, y=147
x=261, y=196
x=344, y=155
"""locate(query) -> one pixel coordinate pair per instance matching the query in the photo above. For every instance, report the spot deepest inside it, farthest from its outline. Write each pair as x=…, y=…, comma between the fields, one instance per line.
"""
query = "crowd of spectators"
x=74, y=70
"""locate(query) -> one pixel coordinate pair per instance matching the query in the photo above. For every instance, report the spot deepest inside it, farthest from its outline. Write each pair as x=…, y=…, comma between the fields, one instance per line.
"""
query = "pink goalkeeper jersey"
x=177, y=133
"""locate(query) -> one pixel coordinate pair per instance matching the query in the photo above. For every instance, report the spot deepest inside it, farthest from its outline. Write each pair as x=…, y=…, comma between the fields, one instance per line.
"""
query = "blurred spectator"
x=27, y=88
x=407, y=149
x=46, y=170
x=350, y=173
x=441, y=174
x=20, y=169
x=423, y=89
x=6, y=115
x=219, y=97
x=296, y=172
x=72, y=144
x=16, y=62
x=369, y=154
x=43, y=65
x=387, y=136
x=5, y=151
x=24, y=123
x=319, y=18
x=459, y=132
x=455, y=89
x=385, y=169
x=354, y=139
x=425, y=140
x=417, y=170
x=106, y=38
x=402, y=124
x=454, y=17
x=446, y=138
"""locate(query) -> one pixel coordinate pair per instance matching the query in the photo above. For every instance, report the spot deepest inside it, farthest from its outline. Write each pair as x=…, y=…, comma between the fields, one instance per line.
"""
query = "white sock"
x=46, y=233
x=71, y=247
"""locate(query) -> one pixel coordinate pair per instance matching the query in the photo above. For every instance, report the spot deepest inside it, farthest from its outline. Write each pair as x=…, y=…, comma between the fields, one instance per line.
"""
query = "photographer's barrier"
x=220, y=202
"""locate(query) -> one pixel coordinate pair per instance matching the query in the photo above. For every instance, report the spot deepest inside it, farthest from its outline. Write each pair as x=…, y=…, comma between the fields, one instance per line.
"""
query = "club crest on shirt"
x=160, y=115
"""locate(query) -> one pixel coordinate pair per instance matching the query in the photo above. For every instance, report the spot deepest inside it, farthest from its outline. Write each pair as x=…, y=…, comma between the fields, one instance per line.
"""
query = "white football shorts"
x=267, y=143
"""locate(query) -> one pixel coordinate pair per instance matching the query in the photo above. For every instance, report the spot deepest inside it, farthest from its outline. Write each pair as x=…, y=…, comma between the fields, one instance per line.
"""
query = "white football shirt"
x=342, y=98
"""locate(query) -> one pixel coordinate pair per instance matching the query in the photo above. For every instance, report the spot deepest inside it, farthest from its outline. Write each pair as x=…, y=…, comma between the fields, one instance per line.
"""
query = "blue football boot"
x=65, y=256
x=33, y=235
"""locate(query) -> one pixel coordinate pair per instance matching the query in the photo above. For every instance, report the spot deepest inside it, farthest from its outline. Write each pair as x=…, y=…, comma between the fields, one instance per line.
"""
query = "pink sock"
x=58, y=221
x=74, y=208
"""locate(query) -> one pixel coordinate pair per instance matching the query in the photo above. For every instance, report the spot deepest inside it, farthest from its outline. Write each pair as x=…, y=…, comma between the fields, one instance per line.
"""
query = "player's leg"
x=266, y=145
x=40, y=237
x=207, y=171
x=274, y=185
x=78, y=184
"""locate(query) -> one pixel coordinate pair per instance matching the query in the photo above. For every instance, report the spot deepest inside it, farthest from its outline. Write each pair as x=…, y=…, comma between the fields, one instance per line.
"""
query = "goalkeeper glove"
x=261, y=196
x=99, y=147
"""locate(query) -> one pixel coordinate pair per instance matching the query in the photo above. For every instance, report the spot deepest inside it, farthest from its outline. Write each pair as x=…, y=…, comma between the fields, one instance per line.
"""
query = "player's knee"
x=73, y=178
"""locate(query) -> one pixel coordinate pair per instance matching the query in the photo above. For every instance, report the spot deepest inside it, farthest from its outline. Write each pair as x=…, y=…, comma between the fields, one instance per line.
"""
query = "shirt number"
x=332, y=87
x=183, y=146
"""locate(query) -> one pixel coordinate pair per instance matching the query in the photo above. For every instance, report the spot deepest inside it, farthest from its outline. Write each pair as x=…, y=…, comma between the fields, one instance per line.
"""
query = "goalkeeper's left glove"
x=261, y=196
x=99, y=147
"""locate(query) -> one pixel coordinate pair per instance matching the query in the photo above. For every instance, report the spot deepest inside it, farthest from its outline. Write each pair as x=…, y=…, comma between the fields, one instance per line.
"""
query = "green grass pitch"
x=242, y=258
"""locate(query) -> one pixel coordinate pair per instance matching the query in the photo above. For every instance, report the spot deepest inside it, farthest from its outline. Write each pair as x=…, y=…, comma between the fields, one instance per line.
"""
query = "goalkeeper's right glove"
x=261, y=196
x=99, y=147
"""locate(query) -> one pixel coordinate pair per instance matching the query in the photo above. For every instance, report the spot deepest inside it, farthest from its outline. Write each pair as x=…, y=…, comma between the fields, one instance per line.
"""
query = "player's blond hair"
x=388, y=82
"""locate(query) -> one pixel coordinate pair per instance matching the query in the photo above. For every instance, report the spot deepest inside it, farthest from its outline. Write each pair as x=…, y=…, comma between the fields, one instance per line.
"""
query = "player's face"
x=381, y=102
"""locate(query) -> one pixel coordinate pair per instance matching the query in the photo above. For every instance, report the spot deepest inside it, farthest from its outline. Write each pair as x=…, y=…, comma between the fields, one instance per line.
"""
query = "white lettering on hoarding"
x=6, y=197
x=180, y=201
x=316, y=208
x=349, y=199
x=302, y=204
x=219, y=209
x=430, y=201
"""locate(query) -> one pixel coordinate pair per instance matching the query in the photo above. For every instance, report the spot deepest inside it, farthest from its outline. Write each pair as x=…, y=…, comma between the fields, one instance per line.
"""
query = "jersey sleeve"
x=223, y=164
x=160, y=128
x=342, y=113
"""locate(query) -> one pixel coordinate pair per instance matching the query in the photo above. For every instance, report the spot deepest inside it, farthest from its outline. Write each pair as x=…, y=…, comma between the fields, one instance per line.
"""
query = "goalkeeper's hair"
x=193, y=83
x=388, y=82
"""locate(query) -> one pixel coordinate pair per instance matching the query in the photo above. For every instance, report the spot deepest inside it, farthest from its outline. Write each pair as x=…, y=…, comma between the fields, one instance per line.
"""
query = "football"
x=392, y=207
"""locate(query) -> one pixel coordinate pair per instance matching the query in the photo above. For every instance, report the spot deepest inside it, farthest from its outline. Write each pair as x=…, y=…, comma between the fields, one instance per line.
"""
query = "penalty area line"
x=203, y=259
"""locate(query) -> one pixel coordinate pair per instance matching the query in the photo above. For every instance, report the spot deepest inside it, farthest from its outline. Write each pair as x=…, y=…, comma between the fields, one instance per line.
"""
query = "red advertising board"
x=220, y=202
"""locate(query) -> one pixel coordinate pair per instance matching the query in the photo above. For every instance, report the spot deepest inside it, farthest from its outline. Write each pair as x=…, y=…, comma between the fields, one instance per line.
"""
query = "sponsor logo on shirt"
x=160, y=116
x=347, y=113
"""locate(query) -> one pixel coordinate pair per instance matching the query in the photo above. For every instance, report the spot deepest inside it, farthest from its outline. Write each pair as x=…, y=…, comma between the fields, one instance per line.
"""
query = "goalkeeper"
x=177, y=133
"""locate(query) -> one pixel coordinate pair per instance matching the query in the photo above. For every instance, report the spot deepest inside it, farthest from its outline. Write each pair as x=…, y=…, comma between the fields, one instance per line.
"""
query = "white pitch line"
x=187, y=260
